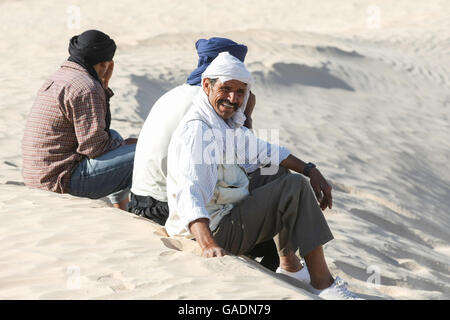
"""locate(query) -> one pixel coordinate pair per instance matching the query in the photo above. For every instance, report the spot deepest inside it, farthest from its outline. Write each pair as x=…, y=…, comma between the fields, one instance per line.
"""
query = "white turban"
x=226, y=67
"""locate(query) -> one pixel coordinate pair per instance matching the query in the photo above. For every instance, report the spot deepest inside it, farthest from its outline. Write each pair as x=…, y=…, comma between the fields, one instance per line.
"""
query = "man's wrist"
x=307, y=169
x=202, y=233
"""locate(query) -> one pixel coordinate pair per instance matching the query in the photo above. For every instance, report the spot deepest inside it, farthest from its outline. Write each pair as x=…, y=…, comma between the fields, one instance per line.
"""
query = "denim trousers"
x=108, y=175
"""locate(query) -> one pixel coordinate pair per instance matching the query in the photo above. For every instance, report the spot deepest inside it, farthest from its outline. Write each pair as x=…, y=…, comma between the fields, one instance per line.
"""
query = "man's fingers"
x=221, y=253
x=217, y=253
x=322, y=189
x=325, y=203
x=214, y=252
x=327, y=192
x=318, y=193
x=325, y=198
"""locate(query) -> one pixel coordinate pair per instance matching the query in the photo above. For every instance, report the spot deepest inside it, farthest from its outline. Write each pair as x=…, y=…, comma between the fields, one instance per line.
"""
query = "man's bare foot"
x=290, y=263
x=122, y=204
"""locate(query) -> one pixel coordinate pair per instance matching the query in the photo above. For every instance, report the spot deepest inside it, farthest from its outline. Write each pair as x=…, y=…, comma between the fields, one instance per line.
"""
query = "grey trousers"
x=282, y=207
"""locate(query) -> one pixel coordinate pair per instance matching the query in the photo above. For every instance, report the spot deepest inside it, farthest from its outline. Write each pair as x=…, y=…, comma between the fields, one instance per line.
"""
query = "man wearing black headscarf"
x=68, y=146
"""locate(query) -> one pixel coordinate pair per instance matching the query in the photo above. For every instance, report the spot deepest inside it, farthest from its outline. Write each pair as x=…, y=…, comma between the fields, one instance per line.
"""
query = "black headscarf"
x=88, y=49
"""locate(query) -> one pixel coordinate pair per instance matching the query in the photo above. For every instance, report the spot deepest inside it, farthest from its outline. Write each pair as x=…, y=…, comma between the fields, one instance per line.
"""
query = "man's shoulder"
x=180, y=95
x=77, y=81
x=168, y=111
x=189, y=131
x=192, y=126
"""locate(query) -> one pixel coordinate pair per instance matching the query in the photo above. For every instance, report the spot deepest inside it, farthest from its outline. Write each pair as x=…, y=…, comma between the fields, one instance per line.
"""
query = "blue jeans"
x=107, y=175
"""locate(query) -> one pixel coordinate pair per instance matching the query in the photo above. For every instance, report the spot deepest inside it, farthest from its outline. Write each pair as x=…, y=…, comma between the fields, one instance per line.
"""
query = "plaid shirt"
x=66, y=124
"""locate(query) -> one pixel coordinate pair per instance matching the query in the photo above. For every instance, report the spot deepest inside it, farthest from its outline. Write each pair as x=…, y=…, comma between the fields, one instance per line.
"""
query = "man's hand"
x=249, y=109
x=321, y=188
x=200, y=229
x=108, y=74
x=131, y=141
x=212, y=252
x=318, y=183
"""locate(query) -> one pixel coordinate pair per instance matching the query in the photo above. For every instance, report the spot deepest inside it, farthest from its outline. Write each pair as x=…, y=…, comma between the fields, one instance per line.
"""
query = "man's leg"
x=122, y=204
x=267, y=250
x=108, y=175
x=150, y=208
x=286, y=209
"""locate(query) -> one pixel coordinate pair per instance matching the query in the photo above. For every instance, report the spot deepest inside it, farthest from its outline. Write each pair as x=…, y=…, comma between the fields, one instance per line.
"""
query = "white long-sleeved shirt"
x=150, y=159
x=193, y=173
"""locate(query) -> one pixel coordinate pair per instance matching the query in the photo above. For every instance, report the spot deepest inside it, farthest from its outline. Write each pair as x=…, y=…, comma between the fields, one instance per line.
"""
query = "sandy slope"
x=365, y=96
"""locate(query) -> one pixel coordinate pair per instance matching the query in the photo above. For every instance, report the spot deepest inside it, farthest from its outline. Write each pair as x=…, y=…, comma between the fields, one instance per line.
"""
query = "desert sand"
x=360, y=88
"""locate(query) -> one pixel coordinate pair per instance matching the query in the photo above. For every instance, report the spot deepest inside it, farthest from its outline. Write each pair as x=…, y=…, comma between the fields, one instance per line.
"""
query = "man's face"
x=226, y=97
x=102, y=67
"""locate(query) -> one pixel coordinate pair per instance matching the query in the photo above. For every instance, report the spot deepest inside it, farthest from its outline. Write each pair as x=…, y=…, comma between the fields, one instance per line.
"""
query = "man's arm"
x=268, y=153
x=109, y=93
x=107, y=76
x=89, y=114
x=196, y=180
x=248, y=111
x=318, y=183
x=200, y=230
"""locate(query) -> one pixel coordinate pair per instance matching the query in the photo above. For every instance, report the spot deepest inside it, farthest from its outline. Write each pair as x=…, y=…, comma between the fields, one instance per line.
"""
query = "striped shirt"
x=193, y=172
x=66, y=124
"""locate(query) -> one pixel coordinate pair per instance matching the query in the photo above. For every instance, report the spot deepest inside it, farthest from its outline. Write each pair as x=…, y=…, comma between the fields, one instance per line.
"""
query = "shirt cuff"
x=284, y=153
x=196, y=213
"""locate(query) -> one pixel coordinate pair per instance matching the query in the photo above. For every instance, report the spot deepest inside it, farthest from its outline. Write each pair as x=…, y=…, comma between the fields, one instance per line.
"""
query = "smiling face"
x=225, y=97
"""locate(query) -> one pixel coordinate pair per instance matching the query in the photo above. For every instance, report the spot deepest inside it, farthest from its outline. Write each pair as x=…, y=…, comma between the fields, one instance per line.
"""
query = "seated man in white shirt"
x=207, y=186
x=148, y=190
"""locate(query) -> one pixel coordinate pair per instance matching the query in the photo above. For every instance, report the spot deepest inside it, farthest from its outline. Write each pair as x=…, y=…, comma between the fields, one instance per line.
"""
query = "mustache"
x=226, y=103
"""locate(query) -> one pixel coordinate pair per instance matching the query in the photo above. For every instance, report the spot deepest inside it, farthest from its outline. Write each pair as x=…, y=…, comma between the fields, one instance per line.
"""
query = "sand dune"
x=361, y=90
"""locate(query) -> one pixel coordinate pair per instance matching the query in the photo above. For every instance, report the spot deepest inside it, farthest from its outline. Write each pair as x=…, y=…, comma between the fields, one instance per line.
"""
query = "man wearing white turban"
x=148, y=192
x=207, y=185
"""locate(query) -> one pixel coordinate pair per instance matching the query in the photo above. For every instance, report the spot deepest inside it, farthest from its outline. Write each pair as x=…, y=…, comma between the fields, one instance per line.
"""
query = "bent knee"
x=295, y=180
x=127, y=153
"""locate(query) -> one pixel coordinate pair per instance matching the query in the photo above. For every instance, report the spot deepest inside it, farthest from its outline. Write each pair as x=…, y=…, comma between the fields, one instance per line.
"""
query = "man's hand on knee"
x=318, y=183
x=321, y=188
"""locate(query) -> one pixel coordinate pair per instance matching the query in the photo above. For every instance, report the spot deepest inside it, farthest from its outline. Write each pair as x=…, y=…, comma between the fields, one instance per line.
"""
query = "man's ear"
x=206, y=85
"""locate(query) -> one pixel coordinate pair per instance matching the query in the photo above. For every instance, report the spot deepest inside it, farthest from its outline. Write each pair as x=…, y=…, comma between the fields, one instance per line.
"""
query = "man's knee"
x=115, y=135
x=282, y=171
x=127, y=153
x=295, y=180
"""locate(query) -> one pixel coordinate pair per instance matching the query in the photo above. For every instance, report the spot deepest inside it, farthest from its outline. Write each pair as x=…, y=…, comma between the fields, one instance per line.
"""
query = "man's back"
x=150, y=162
x=50, y=145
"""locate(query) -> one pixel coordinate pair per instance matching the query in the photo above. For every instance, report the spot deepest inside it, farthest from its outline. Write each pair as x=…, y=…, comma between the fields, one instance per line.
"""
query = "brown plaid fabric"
x=66, y=123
